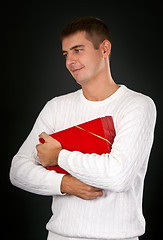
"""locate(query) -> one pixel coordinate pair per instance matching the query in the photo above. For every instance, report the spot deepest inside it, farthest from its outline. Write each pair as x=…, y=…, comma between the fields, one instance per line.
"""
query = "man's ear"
x=106, y=48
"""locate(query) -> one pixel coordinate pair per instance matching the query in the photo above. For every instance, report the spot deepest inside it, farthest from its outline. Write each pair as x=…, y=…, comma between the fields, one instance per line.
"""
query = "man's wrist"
x=64, y=184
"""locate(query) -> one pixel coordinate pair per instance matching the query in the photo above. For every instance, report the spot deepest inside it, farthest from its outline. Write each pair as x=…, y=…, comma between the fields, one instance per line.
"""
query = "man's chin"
x=81, y=81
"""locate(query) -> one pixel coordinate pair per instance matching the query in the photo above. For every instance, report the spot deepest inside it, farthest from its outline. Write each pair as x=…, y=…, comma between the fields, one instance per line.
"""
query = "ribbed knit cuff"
x=62, y=159
x=57, y=180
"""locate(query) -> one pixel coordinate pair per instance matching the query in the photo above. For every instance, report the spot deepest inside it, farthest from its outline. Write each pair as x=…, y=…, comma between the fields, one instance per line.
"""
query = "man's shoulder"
x=137, y=99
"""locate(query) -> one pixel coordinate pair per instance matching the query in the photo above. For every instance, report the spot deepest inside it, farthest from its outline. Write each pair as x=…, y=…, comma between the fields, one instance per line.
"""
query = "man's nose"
x=70, y=60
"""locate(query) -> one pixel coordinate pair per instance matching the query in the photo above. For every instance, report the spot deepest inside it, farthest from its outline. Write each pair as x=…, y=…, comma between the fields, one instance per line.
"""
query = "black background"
x=34, y=72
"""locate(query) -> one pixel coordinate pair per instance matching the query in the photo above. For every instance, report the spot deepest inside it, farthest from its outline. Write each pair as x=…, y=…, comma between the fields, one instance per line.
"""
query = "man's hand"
x=73, y=186
x=49, y=151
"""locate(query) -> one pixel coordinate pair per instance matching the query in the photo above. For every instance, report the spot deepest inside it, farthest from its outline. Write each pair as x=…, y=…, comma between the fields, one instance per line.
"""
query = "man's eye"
x=78, y=50
x=65, y=55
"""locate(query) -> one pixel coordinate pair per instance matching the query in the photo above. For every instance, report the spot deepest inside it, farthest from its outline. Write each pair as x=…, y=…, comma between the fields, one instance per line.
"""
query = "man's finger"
x=44, y=135
x=37, y=146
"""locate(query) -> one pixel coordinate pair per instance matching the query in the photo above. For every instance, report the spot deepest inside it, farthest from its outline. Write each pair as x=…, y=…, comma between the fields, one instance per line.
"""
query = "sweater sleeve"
x=129, y=154
x=26, y=172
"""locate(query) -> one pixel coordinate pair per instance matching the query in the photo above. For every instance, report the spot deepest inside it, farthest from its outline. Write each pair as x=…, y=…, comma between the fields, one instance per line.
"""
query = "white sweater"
x=118, y=213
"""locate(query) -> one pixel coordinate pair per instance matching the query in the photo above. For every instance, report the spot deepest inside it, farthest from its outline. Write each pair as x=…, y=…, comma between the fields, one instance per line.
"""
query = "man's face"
x=82, y=60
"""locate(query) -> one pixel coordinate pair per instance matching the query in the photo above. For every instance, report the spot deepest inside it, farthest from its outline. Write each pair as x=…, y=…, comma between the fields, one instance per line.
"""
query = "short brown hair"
x=96, y=30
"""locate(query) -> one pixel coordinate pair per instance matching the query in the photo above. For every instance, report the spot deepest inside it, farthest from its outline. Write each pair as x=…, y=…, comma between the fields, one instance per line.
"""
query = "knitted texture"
x=118, y=213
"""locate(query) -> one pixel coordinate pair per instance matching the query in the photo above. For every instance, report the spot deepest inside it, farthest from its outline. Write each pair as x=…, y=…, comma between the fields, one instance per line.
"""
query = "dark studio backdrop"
x=34, y=72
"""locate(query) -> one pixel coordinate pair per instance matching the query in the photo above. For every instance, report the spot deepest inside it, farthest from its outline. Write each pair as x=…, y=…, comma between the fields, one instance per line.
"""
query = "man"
x=102, y=198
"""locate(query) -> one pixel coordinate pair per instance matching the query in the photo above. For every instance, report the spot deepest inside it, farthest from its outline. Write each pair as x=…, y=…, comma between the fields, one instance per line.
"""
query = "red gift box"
x=95, y=136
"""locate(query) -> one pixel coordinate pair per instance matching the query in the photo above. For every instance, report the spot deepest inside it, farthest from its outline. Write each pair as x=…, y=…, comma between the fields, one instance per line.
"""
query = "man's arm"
x=26, y=172
x=129, y=155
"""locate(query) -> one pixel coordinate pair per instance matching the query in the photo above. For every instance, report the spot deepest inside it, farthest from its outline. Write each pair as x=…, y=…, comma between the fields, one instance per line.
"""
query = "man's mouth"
x=76, y=70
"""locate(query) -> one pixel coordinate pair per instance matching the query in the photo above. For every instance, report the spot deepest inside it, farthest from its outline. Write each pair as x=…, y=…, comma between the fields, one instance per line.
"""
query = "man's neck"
x=99, y=89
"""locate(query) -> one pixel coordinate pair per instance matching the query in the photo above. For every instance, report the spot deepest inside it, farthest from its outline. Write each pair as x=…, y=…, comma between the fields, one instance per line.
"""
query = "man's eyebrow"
x=76, y=46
